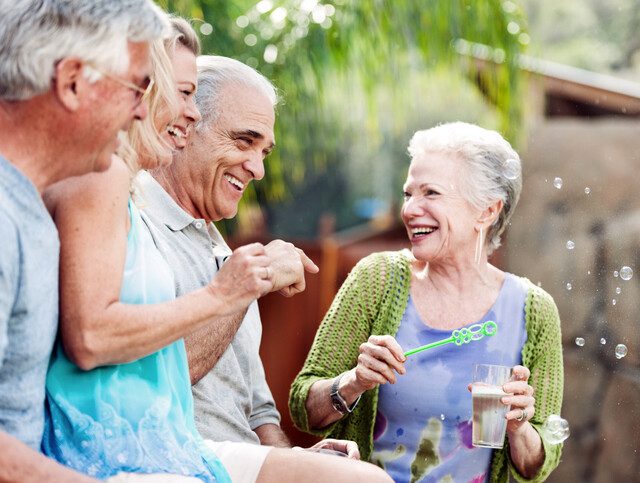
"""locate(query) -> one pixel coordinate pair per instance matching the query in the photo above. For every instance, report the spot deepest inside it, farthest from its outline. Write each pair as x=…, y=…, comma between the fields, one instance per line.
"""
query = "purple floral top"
x=423, y=425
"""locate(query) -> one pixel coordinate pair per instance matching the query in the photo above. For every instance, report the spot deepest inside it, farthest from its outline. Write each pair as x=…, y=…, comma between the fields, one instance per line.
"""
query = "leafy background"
x=356, y=79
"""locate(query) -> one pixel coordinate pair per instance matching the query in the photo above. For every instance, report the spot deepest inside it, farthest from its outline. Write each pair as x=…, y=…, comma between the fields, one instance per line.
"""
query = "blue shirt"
x=423, y=425
x=135, y=417
x=28, y=304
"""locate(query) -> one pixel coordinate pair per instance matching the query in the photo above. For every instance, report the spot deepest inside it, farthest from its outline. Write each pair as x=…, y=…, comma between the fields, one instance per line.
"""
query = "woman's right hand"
x=381, y=357
x=244, y=277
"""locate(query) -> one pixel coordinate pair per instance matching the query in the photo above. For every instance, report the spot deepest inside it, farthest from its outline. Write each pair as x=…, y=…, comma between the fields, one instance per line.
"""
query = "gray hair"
x=36, y=34
x=492, y=168
x=216, y=72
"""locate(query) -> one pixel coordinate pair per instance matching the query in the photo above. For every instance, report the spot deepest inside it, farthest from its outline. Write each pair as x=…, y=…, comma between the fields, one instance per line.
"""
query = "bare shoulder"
x=90, y=193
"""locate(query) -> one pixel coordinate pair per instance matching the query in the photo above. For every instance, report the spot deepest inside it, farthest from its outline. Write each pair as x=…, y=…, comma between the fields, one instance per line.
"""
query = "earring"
x=479, y=243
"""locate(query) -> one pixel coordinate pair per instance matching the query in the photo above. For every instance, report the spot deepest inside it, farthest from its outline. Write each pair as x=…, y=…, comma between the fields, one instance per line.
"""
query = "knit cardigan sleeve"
x=542, y=355
x=370, y=301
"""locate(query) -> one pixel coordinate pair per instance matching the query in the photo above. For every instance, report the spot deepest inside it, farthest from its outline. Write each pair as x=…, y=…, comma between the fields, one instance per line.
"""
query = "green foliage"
x=352, y=61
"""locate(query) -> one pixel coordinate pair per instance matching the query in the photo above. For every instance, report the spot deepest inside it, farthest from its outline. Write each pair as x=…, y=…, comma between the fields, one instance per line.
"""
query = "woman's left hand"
x=520, y=398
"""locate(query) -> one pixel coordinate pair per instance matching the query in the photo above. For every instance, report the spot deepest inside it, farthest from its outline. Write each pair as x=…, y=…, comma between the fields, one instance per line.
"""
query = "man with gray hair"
x=204, y=184
x=73, y=74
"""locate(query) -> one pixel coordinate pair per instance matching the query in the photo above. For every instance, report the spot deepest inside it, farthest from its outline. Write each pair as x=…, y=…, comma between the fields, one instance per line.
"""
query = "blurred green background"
x=356, y=79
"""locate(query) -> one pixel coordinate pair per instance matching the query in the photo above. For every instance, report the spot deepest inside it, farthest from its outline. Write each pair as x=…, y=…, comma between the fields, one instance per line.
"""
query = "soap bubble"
x=587, y=190
x=442, y=417
x=557, y=182
x=614, y=301
x=626, y=273
x=615, y=273
x=579, y=341
x=618, y=290
x=555, y=429
x=621, y=351
x=569, y=286
x=206, y=28
x=511, y=169
x=570, y=245
x=603, y=341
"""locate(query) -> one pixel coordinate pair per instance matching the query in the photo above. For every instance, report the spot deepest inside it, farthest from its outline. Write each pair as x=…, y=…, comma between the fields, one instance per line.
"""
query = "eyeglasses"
x=141, y=93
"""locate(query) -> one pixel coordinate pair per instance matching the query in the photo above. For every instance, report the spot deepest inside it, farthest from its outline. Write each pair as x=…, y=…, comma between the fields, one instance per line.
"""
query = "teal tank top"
x=135, y=417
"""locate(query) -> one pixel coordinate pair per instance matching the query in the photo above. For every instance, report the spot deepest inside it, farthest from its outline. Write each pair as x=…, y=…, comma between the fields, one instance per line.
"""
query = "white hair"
x=492, y=169
x=216, y=72
x=36, y=34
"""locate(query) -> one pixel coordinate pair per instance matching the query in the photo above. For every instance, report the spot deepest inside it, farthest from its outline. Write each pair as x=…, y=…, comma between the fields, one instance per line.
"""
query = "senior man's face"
x=115, y=105
x=224, y=156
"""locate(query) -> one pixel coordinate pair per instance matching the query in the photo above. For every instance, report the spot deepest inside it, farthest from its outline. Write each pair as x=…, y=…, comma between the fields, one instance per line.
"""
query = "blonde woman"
x=118, y=388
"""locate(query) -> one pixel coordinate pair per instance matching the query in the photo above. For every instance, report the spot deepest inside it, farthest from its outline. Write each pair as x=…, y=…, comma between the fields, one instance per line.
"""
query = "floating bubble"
x=626, y=273
x=587, y=190
x=615, y=273
x=557, y=182
x=442, y=417
x=511, y=169
x=621, y=351
x=570, y=245
x=618, y=290
x=569, y=286
x=579, y=341
x=555, y=429
x=614, y=301
x=206, y=28
x=603, y=341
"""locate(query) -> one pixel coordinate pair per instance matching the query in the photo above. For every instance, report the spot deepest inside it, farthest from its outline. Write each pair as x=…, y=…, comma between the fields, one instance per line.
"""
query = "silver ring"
x=268, y=274
x=523, y=415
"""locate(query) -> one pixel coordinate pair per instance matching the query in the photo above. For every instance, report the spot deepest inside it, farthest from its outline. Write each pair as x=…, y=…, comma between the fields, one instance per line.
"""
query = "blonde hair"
x=143, y=138
x=183, y=34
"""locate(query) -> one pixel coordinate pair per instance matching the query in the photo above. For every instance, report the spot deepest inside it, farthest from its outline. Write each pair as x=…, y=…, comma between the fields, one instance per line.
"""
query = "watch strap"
x=337, y=401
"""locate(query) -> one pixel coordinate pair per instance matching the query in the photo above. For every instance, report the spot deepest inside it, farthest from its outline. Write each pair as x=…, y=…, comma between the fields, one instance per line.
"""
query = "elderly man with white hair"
x=72, y=76
x=205, y=182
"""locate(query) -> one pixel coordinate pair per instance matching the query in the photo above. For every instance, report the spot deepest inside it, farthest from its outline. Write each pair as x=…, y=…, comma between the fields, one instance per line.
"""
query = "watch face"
x=337, y=404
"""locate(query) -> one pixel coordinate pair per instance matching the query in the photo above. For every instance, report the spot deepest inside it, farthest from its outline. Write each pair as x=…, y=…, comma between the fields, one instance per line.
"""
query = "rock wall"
x=598, y=209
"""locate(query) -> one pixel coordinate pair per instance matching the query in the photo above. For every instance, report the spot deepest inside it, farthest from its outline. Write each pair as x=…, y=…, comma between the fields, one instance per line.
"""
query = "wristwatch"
x=337, y=401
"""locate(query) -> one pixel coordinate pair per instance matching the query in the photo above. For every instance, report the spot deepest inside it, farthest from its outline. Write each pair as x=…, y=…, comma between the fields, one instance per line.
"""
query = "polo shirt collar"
x=158, y=203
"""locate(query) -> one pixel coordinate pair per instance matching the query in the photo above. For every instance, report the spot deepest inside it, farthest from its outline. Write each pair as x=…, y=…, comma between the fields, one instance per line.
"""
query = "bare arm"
x=96, y=328
x=272, y=435
x=380, y=359
x=526, y=451
x=19, y=463
x=525, y=445
x=206, y=346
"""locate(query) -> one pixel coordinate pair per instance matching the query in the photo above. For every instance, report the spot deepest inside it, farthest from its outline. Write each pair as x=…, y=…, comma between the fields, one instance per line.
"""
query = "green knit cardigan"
x=372, y=301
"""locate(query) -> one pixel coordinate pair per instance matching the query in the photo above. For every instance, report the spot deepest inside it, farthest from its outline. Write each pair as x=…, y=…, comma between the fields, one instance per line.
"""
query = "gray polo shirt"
x=29, y=253
x=233, y=398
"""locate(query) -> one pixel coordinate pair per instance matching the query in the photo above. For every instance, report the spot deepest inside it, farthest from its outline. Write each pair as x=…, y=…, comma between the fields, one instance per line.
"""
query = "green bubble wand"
x=461, y=336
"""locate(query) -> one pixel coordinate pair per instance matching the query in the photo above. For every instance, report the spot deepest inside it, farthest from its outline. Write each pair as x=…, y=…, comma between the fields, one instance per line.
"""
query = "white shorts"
x=242, y=461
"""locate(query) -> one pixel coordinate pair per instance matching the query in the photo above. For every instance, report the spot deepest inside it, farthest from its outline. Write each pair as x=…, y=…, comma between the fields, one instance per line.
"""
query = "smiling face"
x=185, y=72
x=440, y=222
x=174, y=130
x=225, y=155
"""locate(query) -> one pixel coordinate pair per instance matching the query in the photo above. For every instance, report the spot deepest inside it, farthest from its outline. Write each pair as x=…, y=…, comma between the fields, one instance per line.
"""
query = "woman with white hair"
x=461, y=190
